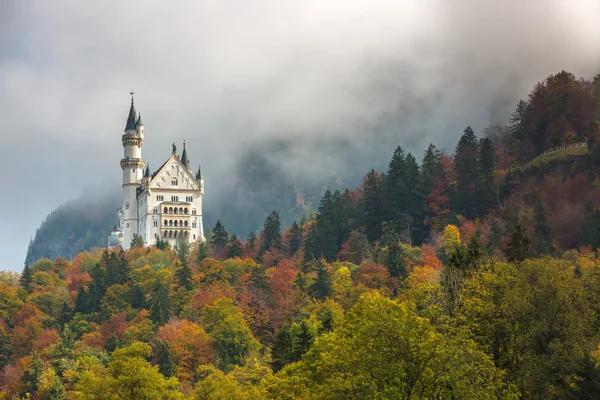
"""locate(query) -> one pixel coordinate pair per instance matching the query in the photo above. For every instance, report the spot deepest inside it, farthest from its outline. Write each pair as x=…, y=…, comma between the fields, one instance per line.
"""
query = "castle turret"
x=184, y=157
x=132, y=165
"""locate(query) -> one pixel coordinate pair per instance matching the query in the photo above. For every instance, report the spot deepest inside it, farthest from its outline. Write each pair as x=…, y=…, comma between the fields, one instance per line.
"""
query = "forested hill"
x=491, y=179
x=75, y=226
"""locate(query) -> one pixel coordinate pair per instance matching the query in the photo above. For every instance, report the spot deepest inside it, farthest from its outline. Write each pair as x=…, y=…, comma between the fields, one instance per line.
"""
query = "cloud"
x=322, y=89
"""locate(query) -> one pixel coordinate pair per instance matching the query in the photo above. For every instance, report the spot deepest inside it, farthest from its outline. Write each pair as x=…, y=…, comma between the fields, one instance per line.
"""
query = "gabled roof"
x=174, y=157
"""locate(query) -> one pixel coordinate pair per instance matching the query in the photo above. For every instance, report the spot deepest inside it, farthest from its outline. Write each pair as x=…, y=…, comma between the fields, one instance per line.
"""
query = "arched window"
x=170, y=234
x=175, y=210
x=174, y=182
x=175, y=223
x=170, y=222
x=180, y=210
x=166, y=210
x=175, y=234
x=170, y=210
x=166, y=223
x=185, y=210
x=165, y=234
x=180, y=223
x=186, y=223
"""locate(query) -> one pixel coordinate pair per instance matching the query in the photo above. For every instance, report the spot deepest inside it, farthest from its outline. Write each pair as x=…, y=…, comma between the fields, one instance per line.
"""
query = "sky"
x=234, y=76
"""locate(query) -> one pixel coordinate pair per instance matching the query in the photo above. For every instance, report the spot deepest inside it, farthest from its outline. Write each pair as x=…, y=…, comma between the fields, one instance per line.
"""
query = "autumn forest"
x=466, y=275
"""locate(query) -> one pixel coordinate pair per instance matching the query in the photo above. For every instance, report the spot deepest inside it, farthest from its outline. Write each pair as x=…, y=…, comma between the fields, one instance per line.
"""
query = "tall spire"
x=131, y=118
x=147, y=173
x=139, y=120
x=184, y=157
x=199, y=173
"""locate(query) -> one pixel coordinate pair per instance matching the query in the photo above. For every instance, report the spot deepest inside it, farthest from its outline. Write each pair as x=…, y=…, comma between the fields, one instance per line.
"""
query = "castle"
x=165, y=204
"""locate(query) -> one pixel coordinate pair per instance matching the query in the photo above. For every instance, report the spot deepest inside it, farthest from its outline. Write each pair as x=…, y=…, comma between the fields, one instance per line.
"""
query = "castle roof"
x=147, y=173
x=139, y=120
x=131, y=118
x=199, y=173
x=184, y=157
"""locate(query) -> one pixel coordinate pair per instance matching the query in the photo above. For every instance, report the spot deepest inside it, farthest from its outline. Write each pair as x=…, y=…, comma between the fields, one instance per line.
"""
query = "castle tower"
x=132, y=165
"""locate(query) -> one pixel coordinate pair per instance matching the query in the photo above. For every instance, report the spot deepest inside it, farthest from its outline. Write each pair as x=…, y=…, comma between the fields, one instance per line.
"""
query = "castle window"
x=170, y=210
x=194, y=236
x=155, y=223
x=166, y=210
x=170, y=223
x=159, y=197
x=193, y=224
x=127, y=205
x=156, y=236
x=180, y=223
x=186, y=223
x=128, y=224
x=155, y=211
x=175, y=210
x=170, y=234
x=175, y=223
x=166, y=223
x=193, y=211
x=185, y=210
x=174, y=182
x=175, y=234
x=165, y=234
x=180, y=210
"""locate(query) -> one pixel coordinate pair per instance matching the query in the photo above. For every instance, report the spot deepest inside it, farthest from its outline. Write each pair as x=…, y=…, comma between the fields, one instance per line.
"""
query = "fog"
x=320, y=91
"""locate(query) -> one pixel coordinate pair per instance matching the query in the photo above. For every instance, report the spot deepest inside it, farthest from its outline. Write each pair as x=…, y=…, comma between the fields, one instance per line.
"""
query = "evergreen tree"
x=235, y=248
x=272, y=230
x=182, y=246
x=165, y=359
x=82, y=301
x=137, y=241
x=202, y=252
x=160, y=303
x=57, y=390
x=396, y=189
x=162, y=244
x=517, y=248
x=394, y=260
x=183, y=275
x=430, y=168
x=26, y=279
x=282, y=352
x=117, y=269
x=373, y=205
x=413, y=229
x=542, y=231
x=322, y=287
x=32, y=375
x=485, y=183
x=465, y=161
x=295, y=239
x=474, y=252
x=495, y=237
x=220, y=236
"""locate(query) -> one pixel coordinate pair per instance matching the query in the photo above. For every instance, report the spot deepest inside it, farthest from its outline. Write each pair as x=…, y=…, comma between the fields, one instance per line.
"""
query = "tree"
x=232, y=339
x=183, y=275
x=294, y=239
x=542, y=231
x=164, y=359
x=160, y=303
x=182, y=246
x=235, y=248
x=485, y=184
x=322, y=287
x=272, y=230
x=202, y=251
x=381, y=340
x=137, y=241
x=373, y=205
x=517, y=248
x=220, y=235
x=26, y=278
x=57, y=390
x=466, y=164
x=495, y=237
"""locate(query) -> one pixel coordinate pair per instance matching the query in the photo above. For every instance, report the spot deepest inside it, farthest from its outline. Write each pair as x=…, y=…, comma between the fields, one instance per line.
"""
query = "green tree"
x=373, y=204
x=160, y=303
x=322, y=288
x=495, y=237
x=466, y=163
x=182, y=246
x=485, y=183
x=26, y=279
x=542, y=231
x=235, y=248
x=202, y=251
x=220, y=236
x=517, y=248
x=57, y=390
x=137, y=241
x=272, y=229
x=183, y=275
x=165, y=359
x=295, y=239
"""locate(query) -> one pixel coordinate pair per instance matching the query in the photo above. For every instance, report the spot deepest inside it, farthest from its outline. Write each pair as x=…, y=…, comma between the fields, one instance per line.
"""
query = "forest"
x=472, y=275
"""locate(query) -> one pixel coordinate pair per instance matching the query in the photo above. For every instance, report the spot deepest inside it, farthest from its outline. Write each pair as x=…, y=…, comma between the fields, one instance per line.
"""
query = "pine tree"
x=202, y=252
x=396, y=188
x=322, y=287
x=272, y=229
x=183, y=275
x=485, y=182
x=373, y=205
x=31, y=377
x=220, y=236
x=235, y=248
x=430, y=168
x=517, y=248
x=162, y=244
x=182, y=246
x=465, y=161
x=394, y=260
x=160, y=303
x=295, y=239
x=412, y=230
x=251, y=243
x=26, y=279
x=137, y=241
x=57, y=390
x=282, y=352
x=495, y=237
x=165, y=359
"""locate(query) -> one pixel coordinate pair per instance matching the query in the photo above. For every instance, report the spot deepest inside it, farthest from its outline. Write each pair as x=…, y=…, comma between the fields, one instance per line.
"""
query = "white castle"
x=165, y=204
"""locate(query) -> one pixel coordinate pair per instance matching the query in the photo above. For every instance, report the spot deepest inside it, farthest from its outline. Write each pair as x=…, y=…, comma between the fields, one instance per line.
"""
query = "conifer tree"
x=57, y=390
x=182, y=246
x=183, y=275
x=26, y=278
x=251, y=243
x=220, y=236
x=396, y=188
x=282, y=352
x=465, y=161
x=31, y=377
x=517, y=248
x=485, y=182
x=272, y=230
x=495, y=237
x=137, y=241
x=235, y=248
x=414, y=202
x=165, y=359
x=295, y=239
x=202, y=251
x=430, y=168
x=322, y=287
x=373, y=205
x=160, y=303
x=394, y=260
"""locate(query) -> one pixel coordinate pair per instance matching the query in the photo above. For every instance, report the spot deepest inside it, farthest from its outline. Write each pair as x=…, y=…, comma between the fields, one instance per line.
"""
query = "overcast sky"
x=227, y=75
